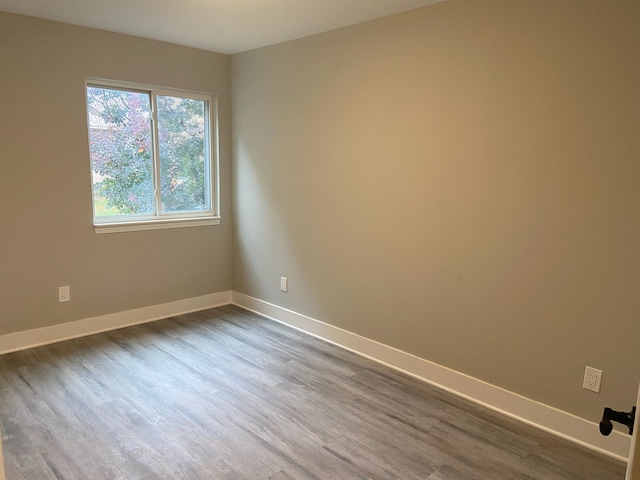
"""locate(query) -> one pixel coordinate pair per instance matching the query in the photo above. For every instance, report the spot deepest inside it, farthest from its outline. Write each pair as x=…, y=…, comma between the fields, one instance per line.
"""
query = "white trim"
x=155, y=224
x=531, y=412
x=158, y=220
x=57, y=333
x=148, y=88
x=2, y=470
x=633, y=451
x=536, y=414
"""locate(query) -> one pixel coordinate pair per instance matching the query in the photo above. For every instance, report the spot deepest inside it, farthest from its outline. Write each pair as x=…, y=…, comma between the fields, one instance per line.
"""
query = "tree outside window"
x=150, y=153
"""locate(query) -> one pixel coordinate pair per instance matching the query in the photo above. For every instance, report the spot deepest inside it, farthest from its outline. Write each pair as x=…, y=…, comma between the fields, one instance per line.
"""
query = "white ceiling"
x=225, y=26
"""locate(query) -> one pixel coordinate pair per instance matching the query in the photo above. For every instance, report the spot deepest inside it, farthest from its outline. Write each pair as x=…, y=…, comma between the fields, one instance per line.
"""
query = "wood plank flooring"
x=226, y=394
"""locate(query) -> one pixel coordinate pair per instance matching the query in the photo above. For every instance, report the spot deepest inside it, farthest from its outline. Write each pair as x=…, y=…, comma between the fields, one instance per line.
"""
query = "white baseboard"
x=539, y=415
x=88, y=326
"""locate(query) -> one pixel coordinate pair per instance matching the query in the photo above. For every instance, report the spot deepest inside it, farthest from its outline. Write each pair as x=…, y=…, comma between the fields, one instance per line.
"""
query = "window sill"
x=163, y=224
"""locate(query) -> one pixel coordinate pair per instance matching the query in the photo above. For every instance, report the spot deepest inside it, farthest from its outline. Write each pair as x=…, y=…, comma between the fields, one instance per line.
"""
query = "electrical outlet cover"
x=64, y=294
x=592, y=379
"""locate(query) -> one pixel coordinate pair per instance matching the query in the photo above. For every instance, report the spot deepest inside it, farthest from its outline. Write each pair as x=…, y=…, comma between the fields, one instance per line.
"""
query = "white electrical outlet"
x=284, y=284
x=64, y=294
x=592, y=379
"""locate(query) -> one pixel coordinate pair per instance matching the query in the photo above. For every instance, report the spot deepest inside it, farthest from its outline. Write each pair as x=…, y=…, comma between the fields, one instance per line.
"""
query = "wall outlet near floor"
x=64, y=294
x=592, y=379
x=284, y=284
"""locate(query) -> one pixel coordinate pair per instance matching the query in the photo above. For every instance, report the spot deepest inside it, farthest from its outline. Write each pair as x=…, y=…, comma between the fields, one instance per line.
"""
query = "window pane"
x=182, y=138
x=121, y=158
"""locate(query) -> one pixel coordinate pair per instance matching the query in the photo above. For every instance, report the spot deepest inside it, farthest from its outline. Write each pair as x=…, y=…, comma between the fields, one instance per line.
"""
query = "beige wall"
x=46, y=227
x=461, y=182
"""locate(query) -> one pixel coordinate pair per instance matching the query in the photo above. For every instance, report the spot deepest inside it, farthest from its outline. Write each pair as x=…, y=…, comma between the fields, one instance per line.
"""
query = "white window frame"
x=159, y=220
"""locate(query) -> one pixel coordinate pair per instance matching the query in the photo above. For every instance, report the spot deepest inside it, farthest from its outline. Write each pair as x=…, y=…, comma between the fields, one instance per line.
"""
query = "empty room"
x=322, y=239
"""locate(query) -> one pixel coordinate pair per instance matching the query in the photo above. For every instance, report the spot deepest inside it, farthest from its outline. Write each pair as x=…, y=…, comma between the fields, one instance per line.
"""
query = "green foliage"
x=182, y=162
x=122, y=158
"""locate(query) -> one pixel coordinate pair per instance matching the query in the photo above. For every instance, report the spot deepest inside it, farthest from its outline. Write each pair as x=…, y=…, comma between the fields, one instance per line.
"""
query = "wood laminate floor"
x=226, y=394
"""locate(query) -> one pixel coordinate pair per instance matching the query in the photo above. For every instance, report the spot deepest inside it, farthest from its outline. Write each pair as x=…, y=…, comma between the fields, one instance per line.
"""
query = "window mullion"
x=156, y=156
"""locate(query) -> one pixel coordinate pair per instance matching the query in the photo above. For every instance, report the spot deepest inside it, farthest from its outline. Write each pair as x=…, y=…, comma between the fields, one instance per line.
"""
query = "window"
x=152, y=159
